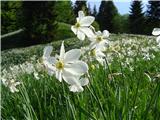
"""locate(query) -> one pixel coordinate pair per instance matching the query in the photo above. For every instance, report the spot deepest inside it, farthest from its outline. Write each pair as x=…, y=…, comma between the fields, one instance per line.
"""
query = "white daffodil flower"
x=98, y=55
x=66, y=64
x=156, y=32
x=81, y=28
x=76, y=83
x=99, y=39
x=48, y=60
x=12, y=84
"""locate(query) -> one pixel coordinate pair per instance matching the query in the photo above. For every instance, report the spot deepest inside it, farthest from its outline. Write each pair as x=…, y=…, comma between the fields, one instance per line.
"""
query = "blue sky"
x=123, y=6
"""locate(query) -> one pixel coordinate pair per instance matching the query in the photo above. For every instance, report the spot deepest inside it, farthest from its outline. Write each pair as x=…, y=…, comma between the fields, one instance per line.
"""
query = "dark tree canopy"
x=10, y=16
x=39, y=20
x=107, y=12
x=67, y=15
x=136, y=18
x=80, y=5
x=153, y=11
x=153, y=15
x=89, y=9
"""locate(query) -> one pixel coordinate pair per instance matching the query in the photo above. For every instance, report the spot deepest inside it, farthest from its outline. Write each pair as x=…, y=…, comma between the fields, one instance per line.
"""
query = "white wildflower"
x=81, y=28
x=12, y=84
x=156, y=32
x=67, y=65
x=99, y=39
x=98, y=55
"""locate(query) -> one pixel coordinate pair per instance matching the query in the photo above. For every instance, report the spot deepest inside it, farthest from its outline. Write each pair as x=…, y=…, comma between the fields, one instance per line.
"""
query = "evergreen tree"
x=10, y=16
x=67, y=15
x=94, y=11
x=153, y=15
x=136, y=18
x=105, y=17
x=39, y=20
x=89, y=9
x=80, y=5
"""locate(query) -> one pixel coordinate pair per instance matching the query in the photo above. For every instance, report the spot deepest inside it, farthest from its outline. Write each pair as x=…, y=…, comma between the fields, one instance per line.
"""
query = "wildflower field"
x=93, y=76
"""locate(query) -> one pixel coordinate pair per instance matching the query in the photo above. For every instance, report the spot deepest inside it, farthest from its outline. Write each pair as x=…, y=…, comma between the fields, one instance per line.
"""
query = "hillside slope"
x=20, y=55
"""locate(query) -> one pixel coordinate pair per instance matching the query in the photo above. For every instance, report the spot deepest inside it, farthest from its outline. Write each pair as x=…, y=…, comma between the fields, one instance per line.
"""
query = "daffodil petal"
x=93, y=38
x=17, y=83
x=87, y=31
x=62, y=51
x=51, y=69
x=105, y=34
x=59, y=75
x=74, y=30
x=98, y=33
x=72, y=55
x=77, y=68
x=47, y=51
x=75, y=88
x=101, y=61
x=80, y=35
x=80, y=14
x=84, y=81
x=51, y=60
x=69, y=78
x=92, y=45
x=156, y=31
x=77, y=18
x=100, y=54
x=158, y=39
x=87, y=21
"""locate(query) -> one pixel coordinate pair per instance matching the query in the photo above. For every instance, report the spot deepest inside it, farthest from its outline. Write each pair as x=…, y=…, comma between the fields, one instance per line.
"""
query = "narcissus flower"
x=12, y=84
x=156, y=32
x=81, y=28
x=98, y=55
x=99, y=39
x=76, y=83
x=66, y=66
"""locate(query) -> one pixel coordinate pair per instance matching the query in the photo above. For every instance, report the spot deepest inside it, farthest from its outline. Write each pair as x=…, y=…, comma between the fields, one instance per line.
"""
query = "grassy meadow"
x=127, y=88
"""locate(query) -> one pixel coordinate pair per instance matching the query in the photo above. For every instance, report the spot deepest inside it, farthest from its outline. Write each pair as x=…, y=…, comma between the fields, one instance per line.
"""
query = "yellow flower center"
x=92, y=67
x=99, y=38
x=93, y=52
x=77, y=25
x=59, y=65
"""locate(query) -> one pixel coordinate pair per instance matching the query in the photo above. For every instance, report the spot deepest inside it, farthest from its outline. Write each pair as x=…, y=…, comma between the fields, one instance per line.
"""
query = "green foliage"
x=121, y=23
x=17, y=40
x=107, y=12
x=136, y=18
x=39, y=20
x=10, y=16
x=95, y=25
x=64, y=12
x=64, y=31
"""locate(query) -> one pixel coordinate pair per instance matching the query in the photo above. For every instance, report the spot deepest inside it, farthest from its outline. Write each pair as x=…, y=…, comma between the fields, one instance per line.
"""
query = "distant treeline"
x=39, y=19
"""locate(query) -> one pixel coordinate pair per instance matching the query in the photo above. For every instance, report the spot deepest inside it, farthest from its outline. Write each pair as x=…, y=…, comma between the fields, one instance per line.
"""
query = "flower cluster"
x=67, y=66
x=9, y=76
